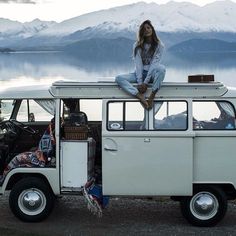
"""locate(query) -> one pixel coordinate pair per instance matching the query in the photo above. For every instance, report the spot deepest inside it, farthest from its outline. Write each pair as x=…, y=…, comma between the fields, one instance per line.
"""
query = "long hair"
x=141, y=39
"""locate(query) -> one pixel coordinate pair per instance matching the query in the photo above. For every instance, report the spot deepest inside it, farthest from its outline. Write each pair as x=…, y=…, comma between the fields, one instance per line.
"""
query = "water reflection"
x=30, y=68
x=222, y=65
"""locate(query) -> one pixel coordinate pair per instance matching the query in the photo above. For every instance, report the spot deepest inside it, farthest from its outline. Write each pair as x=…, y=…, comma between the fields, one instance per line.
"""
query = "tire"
x=31, y=199
x=206, y=207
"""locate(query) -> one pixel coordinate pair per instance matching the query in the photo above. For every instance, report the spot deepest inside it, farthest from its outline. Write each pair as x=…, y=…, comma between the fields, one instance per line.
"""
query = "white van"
x=182, y=148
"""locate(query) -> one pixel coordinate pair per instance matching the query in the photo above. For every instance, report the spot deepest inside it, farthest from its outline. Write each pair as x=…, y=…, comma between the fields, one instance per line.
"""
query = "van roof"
x=71, y=89
x=32, y=91
x=111, y=90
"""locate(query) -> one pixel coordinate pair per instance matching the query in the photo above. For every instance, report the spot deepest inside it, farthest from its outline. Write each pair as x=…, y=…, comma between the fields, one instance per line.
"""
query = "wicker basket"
x=76, y=132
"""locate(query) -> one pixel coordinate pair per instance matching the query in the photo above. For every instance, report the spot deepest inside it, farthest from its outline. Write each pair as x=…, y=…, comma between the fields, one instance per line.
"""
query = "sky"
x=59, y=10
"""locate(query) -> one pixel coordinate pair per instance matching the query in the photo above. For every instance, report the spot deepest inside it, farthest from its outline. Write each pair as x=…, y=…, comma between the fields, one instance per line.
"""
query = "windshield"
x=6, y=107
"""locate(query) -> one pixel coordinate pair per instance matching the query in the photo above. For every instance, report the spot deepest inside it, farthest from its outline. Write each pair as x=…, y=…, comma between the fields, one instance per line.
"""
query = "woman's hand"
x=142, y=88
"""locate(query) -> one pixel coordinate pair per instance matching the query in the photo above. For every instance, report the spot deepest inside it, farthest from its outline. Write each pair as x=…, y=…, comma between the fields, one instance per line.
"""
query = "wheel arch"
x=228, y=189
x=18, y=176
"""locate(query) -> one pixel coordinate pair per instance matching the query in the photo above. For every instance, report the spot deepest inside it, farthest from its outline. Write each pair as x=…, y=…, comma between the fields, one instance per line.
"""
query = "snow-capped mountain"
x=10, y=28
x=170, y=18
x=35, y=26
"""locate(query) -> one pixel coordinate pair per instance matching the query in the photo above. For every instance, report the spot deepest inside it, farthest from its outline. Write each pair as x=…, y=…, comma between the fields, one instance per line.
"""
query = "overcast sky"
x=59, y=10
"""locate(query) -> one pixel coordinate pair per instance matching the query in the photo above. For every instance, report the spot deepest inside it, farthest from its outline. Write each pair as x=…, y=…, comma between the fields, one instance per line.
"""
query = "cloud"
x=19, y=1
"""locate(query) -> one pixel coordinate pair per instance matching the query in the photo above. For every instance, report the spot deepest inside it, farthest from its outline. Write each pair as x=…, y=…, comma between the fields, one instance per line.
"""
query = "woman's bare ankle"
x=151, y=100
x=142, y=100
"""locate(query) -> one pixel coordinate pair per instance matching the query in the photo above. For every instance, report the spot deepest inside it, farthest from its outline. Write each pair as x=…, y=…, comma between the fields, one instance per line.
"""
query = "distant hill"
x=6, y=50
x=204, y=45
x=102, y=49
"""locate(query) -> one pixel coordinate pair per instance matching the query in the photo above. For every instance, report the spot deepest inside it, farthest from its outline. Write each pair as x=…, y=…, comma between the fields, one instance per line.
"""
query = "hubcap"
x=204, y=205
x=32, y=201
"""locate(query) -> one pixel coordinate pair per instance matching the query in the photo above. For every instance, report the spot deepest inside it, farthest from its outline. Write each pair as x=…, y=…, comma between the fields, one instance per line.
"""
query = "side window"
x=134, y=116
x=213, y=115
x=92, y=108
x=170, y=115
x=115, y=116
x=125, y=116
x=30, y=111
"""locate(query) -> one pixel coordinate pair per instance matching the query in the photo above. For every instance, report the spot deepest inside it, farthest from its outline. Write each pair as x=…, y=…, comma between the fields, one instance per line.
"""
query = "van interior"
x=18, y=135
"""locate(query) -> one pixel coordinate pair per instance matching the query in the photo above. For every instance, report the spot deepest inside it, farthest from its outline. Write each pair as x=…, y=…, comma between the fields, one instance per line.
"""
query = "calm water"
x=44, y=67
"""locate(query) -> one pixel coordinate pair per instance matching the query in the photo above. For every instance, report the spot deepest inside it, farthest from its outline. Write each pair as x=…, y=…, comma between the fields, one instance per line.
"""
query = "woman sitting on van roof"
x=147, y=56
x=38, y=158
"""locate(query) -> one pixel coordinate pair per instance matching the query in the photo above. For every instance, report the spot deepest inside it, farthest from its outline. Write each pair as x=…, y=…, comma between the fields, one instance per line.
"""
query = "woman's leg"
x=124, y=81
x=157, y=77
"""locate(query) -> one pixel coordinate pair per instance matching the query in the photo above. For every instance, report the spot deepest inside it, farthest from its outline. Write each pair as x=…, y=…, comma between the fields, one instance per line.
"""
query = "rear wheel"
x=206, y=207
x=31, y=199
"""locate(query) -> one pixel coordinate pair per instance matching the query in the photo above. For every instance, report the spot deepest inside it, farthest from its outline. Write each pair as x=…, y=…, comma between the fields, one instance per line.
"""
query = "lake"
x=46, y=67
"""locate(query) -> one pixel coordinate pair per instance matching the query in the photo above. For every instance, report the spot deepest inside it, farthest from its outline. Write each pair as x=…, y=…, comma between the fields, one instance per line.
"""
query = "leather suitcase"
x=200, y=78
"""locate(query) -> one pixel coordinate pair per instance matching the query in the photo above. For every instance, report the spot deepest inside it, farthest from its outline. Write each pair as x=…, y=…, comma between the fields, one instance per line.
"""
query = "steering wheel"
x=22, y=126
x=8, y=127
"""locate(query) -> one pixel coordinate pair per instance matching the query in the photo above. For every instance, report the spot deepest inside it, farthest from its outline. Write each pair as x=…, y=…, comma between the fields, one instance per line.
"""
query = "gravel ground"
x=125, y=216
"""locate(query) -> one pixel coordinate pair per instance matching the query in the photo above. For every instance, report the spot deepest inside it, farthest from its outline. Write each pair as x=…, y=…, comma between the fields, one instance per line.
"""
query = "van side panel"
x=147, y=165
x=214, y=159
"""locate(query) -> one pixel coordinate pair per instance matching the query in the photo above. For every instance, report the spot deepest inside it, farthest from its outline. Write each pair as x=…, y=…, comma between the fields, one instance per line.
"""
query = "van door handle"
x=147, y=140
x=109, y=149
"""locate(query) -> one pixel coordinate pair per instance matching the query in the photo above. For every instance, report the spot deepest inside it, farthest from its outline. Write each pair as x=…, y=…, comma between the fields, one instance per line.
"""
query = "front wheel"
x=206, y=207
x=31, y=199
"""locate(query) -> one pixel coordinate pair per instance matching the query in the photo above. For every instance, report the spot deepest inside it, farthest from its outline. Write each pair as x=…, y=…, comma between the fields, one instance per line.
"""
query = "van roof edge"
x=112, y=83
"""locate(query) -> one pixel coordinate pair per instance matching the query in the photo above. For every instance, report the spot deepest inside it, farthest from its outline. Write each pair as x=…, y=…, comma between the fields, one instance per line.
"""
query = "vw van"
x=182, y=148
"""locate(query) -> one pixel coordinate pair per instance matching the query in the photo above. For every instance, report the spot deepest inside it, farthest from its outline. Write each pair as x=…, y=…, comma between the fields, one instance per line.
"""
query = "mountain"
x=175, y=22
x=27, y=29
x=9, y=26
x=169, y=17
x=204, y=45
x=100, y=49
x=104, y=30
x=36, y=26
x=6, y=50
x=12, y=32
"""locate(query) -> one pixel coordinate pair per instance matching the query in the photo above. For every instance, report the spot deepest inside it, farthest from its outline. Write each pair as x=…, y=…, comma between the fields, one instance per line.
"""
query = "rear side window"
x=170, y=115
x=213, y=115
x=125, y=116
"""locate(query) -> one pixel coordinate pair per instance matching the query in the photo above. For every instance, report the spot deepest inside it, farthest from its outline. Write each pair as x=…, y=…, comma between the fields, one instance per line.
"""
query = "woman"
x=147, y=56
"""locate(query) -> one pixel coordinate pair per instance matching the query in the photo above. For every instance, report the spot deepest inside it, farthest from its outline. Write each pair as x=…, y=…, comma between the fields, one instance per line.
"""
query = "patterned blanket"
x=39, y=158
